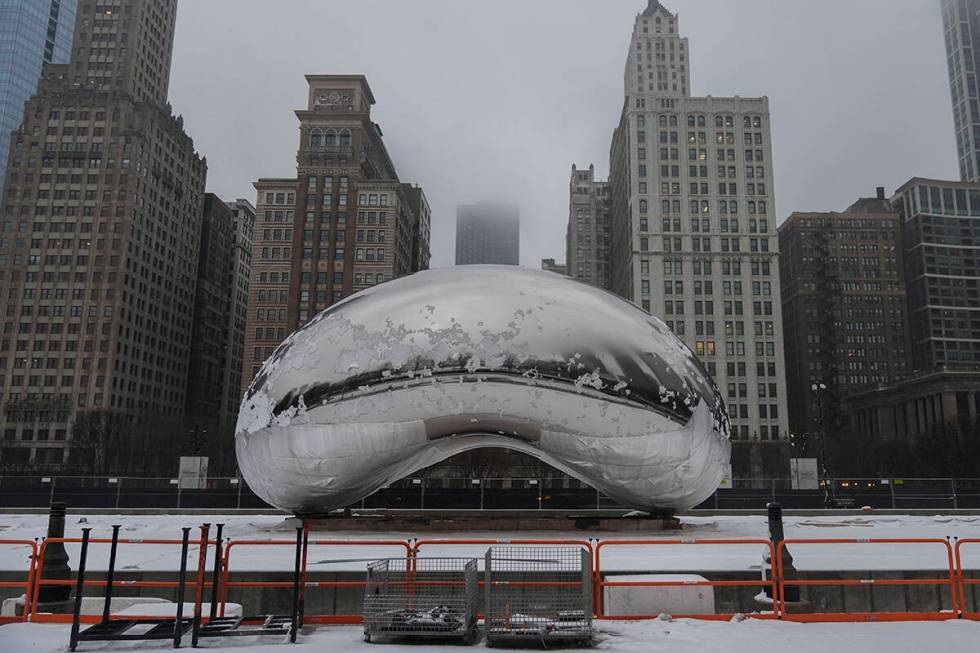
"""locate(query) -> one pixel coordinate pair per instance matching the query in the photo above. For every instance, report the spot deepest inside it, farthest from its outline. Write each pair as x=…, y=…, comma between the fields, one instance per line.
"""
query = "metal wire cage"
x=541, y=593
x=421, y=597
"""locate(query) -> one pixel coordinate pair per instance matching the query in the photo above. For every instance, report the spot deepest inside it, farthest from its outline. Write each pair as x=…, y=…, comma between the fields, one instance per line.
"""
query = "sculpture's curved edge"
x=299, y=484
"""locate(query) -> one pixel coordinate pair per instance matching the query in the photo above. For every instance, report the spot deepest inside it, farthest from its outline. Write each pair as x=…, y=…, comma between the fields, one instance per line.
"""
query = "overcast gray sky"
x=495, y=99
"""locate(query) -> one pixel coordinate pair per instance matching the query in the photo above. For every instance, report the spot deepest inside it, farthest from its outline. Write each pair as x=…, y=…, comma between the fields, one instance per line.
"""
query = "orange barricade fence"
x=26, y=584
x=600, y=578
x=40, y=581
x=948, y=580
x=965, y=583
x=400, y=547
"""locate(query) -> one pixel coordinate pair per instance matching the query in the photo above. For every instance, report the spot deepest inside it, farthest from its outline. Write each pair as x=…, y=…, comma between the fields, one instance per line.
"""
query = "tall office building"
x=243, y=226
x=961, y=26
x=32, y=33
x=941, y=249
x=100, y=235
x=342, y=224
x=693, y=231
x=488, y=233
x=212, y=305
x=940, y=262
x=843, y=307
x=587, y=238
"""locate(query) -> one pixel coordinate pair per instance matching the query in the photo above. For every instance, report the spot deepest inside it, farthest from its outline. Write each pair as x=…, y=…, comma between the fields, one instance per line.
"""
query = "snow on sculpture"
x=408, y=373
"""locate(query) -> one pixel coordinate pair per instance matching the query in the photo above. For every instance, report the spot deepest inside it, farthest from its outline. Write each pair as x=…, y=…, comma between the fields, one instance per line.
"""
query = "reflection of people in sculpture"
x=408, y=373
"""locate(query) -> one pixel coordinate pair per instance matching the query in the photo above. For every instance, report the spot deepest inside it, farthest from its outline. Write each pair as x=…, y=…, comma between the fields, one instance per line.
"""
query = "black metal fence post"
x=216, y=577
x=110, y=573
x=79, y=587
x=296, y=579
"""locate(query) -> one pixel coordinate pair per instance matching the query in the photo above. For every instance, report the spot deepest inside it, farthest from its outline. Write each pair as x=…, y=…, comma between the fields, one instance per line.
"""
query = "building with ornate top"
x=693, y=228
x=344, y=223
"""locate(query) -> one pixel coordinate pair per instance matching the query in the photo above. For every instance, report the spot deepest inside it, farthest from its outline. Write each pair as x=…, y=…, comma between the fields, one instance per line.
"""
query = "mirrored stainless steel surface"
x=408, y=373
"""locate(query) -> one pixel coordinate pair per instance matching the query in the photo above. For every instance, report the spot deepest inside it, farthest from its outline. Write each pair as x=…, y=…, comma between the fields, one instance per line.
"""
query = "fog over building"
x=488, y=233
x=32, y=33
x=103, y=211
x=344, y=223
x=693, y=233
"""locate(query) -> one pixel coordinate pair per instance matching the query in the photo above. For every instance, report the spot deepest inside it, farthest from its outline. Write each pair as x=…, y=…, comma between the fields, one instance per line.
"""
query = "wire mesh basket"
x=541, y=593
x=421, y=597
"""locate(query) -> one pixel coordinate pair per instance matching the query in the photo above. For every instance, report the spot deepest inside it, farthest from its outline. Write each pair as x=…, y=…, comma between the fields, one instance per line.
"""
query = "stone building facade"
x=100, y=235
x=693, y=228
x=587, y=239
x=843, y=307
x=344, y=223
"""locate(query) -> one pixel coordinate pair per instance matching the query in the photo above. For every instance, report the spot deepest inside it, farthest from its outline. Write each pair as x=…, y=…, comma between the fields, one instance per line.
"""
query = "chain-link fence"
x=538, y=593
x=421, y=597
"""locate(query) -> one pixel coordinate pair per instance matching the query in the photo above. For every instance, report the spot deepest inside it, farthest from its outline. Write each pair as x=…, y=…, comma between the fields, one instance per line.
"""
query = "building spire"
x=652, y=8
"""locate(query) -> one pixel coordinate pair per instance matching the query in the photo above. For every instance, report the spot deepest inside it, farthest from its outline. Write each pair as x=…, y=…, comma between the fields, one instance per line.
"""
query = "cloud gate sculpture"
x=408, y=373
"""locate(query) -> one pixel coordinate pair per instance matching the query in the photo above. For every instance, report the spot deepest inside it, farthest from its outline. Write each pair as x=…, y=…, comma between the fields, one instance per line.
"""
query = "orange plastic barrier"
x=26, y=583
x=39, y=579
x=599, y=583
x=963, y=582
x=937, y=615
x=226, y=584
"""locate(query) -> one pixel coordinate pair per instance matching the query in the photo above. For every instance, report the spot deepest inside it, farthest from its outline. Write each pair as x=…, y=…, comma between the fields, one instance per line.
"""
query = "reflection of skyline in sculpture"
x=411, y=372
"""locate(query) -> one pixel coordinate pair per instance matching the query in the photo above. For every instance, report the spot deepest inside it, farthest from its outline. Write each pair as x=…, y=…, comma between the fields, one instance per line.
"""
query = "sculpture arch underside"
x=412, y=372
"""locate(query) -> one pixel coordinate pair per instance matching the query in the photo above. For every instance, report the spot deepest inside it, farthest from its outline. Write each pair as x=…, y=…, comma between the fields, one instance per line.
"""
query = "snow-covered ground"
x=682, y=636
x=614, y=558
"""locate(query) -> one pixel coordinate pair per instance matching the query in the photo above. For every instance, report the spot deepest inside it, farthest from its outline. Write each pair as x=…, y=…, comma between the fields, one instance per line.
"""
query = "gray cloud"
x=496, y=99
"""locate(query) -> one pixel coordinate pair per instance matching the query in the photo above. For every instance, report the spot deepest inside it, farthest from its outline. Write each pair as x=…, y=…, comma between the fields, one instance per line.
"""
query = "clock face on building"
x=335, y=99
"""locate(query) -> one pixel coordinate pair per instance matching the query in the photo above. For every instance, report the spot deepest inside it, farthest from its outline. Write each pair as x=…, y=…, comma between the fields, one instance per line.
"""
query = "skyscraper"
x=488, y=233
x=101, y=228
x=693, y=227
x=243, y=226
x=210, y=341
x=941, y=250
x=843, y=307
x=32, y=33
x=344, y=223
x=961, y=26
x=587, y=237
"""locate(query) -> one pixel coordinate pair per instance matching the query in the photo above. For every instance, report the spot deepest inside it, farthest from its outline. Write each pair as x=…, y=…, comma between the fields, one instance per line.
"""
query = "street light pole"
x=819, y=388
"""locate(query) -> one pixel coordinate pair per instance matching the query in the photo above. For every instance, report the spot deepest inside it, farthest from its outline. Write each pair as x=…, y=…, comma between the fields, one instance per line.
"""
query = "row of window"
x=696, y=120
x=707, y=307
x=702, y=244
x=330, y=138
x=703, y=225
x=729, y=288
x=704, y=267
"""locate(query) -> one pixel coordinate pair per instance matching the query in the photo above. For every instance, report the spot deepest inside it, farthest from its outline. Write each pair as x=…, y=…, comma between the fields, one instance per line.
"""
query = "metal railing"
x=122, y=492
